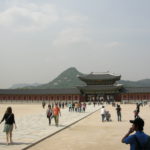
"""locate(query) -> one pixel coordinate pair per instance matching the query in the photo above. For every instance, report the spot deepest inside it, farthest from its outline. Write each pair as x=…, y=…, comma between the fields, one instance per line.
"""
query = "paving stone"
x=32, y=128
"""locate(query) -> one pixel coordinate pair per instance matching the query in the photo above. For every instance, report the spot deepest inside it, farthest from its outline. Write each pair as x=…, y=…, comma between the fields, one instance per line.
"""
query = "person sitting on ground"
x=108, y=116
x=139, y=140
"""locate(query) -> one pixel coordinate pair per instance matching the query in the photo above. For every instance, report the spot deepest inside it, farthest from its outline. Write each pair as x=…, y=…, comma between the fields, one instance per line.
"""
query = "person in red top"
x=56, y=113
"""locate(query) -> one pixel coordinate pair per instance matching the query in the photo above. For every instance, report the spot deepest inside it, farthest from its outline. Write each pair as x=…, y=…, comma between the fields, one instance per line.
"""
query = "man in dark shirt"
x=118, y=109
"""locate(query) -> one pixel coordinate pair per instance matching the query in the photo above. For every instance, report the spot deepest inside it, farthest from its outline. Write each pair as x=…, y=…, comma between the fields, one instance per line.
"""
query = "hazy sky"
x=41, y=38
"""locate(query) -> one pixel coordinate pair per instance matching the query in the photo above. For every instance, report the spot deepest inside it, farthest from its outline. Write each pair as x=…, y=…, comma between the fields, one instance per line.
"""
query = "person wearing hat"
x=139, y=139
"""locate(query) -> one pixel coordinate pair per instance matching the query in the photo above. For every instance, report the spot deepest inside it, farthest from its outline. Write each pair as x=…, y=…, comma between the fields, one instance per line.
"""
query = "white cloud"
x=26, y=15
x=29, y=16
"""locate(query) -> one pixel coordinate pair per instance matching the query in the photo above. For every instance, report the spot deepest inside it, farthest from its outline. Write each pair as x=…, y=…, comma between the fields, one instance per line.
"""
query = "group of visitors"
x=60, y=104
x=53, y=112
x=9, y=119
x=138, y=141
x=106, y=116
x=105, y=113
x=77, y=107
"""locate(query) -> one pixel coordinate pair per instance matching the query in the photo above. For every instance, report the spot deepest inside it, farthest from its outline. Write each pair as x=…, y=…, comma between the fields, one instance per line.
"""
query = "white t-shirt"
x=102, y=111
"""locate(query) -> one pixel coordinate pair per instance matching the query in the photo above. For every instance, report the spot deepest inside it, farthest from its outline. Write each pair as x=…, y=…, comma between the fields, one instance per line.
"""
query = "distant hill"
x=69, y=78
x=140, y=83
x=21, y=85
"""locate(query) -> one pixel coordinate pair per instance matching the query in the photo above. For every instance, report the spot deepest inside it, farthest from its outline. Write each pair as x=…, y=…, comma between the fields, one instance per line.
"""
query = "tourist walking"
x=8, y=127
x=70, y=106
x=49, y=114
x=118, y=109
x=76, y=107
x=103, y=113
x=43, y=104
x=139, y=140
x=137, y=110
x=73, y=105
x=84, y=106
x=94, y=103
x=56, y=113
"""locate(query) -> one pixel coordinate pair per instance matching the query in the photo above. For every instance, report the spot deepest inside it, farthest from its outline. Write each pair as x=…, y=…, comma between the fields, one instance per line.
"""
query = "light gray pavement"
x=32, y=128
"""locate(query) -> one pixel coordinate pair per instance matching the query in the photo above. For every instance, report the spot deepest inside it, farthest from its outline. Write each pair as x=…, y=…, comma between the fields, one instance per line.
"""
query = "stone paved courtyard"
x=31, y=126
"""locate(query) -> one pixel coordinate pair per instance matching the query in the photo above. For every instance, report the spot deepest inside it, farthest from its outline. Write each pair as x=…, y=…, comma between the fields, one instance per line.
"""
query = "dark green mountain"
x=67, y=79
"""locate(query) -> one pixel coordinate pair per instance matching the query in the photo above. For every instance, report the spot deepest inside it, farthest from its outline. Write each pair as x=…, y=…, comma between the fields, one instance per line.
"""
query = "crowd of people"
x=106, y=116
x=137, y=140
x=77, y=107
x=53, y=110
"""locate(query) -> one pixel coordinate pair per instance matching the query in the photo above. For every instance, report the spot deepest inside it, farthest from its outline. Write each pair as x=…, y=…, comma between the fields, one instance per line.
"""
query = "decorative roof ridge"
x=106, y=73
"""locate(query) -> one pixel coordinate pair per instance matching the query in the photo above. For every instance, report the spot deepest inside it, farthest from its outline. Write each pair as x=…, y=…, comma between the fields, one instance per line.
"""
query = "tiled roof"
x=136, y=90
x=40, y=91
x=105, y=76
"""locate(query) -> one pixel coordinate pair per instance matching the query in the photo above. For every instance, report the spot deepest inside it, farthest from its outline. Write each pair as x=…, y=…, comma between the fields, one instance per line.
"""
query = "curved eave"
x=101, y=87
x=86, y=79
